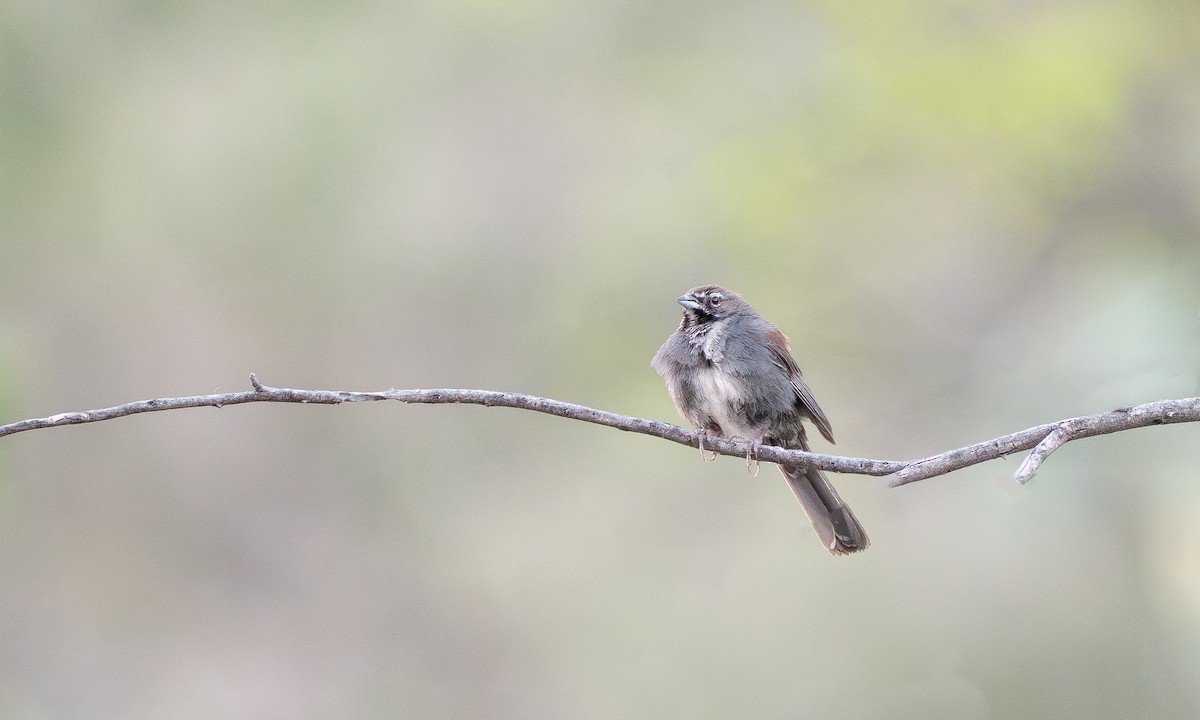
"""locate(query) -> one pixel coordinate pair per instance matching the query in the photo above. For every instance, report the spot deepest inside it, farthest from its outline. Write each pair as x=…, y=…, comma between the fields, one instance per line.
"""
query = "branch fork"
x=1059, y=436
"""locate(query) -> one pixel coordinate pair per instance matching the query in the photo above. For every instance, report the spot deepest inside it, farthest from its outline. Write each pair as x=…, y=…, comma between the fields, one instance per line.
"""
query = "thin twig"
x=901, y=472
x=1056, y=439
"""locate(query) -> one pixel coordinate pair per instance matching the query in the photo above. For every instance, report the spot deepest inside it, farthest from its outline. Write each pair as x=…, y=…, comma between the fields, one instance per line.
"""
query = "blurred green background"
x=970, y=217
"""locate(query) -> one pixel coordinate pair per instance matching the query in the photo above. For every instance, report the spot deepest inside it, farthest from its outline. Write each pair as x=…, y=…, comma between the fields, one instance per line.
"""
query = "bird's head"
x=710, y=302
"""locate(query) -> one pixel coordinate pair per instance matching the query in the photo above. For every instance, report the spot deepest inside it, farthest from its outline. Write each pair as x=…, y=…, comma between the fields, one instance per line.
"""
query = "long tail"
x=838, y=529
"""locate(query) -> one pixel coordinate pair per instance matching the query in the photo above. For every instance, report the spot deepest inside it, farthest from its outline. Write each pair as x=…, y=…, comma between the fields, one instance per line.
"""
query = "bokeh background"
x=970, y=217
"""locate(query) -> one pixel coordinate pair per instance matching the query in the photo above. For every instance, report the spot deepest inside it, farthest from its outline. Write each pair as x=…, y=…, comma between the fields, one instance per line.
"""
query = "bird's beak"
x=688, y=302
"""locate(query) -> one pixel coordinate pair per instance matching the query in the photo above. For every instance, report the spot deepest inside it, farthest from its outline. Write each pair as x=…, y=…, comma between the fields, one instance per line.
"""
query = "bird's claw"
x=704, y=456
x=751, y=454
x=752, y=459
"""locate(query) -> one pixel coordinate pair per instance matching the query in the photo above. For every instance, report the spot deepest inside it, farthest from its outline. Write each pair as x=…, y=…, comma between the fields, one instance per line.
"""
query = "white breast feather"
x=714, y=342
x=720, y=391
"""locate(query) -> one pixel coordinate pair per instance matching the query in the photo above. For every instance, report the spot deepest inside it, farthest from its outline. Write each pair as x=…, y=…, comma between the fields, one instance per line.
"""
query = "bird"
x=731, y=374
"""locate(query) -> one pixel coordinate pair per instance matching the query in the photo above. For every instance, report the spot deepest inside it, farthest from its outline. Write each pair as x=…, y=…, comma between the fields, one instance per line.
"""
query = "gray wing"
x=782, y=357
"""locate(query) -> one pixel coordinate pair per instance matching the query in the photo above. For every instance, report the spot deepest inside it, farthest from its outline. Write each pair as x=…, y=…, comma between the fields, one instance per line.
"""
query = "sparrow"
x=731, y=374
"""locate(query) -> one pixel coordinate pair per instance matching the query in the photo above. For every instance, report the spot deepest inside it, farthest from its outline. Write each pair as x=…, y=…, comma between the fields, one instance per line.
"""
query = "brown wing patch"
x=782, y=351
x=783, y=357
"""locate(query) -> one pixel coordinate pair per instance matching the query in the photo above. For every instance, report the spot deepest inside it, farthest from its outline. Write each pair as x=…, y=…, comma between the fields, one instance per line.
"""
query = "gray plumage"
x=731, y=374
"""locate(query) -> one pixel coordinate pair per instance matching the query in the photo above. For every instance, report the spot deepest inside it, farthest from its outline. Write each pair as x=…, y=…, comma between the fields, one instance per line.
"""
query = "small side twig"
x=1056, y=439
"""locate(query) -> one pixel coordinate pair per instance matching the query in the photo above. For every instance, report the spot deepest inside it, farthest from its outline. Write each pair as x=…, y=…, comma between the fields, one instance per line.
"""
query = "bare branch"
x=1163, y=412
x=1044, y=439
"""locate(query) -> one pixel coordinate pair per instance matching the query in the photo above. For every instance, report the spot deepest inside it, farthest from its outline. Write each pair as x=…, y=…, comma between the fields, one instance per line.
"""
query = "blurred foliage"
x=970, y=218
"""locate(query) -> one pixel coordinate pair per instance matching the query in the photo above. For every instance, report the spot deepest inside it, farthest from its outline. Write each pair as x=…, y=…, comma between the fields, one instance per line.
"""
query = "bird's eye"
x=715, y=300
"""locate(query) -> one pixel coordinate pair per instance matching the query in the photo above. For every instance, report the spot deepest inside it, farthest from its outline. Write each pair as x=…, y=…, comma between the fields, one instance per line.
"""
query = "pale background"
x=970, y=217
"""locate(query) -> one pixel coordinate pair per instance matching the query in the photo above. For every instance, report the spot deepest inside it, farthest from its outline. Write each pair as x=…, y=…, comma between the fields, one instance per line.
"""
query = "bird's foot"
x=752, y=446
x=704, y=455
